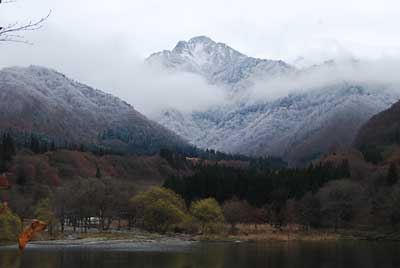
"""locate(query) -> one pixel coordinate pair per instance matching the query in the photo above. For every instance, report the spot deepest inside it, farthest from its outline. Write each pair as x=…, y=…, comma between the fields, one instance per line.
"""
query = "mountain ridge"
x=298, y=125
x=383, y=129
x=47, y=102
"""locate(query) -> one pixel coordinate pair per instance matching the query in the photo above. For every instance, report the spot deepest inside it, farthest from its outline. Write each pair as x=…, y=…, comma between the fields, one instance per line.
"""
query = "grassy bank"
x=260, y=232
x=243, y=233
x=265, y=232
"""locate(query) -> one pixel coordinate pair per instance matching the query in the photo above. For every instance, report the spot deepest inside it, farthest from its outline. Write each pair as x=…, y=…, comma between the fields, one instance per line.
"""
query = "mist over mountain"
x=272, y=108
x=210, y=95
x=43, y=101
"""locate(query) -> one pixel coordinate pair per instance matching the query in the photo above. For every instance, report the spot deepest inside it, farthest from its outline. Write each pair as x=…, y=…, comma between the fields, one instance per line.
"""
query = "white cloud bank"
x=377, y=74
x=151, y=89
x=114, y=70
x=103, y=43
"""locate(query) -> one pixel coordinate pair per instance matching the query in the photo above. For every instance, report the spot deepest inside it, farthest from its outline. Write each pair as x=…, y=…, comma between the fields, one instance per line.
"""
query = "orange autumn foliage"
x=35, y=227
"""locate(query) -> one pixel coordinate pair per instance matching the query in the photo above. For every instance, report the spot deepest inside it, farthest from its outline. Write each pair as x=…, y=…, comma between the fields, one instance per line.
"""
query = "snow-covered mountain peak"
x=217, y=62
x=198, y=41
x=272, y=107
x=201, y=39
x=58, y=88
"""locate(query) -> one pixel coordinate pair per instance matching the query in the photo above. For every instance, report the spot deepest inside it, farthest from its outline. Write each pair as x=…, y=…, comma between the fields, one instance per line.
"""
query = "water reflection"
x=213, y=255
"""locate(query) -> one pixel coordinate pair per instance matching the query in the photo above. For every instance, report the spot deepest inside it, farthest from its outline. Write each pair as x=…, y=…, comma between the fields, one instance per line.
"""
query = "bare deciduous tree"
x=13, y=31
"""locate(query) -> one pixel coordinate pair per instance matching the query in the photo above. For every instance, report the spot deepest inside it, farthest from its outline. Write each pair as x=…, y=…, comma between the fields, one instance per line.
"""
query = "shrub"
x=10, y=226
x=159, y=209
x=44, y=212
x=208, y=214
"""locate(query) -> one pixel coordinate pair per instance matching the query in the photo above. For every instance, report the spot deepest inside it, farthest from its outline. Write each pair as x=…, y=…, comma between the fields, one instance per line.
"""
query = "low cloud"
x=153, y=89
x=112, y=67
x=379, y=74
x=111, y=64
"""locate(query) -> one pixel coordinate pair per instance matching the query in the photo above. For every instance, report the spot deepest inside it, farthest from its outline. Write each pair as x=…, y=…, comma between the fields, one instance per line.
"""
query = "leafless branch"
x=7, y=1
x=10, y=32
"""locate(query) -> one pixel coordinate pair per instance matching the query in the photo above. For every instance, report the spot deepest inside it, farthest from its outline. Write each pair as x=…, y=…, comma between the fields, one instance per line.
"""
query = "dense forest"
x=258, y=184
x=75, y=189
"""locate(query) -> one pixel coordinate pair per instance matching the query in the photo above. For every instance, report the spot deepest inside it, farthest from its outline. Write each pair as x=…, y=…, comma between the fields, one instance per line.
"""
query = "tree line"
x=325, y=194
x=258, y=184
x=12, y=140
x=320, y=196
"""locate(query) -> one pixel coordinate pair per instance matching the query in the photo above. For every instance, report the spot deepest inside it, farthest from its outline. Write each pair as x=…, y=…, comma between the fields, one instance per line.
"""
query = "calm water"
x=211, y=255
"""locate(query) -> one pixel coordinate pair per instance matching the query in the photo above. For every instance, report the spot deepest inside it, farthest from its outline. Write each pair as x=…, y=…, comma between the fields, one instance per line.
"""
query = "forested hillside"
x=382, y=129
x=45, y=102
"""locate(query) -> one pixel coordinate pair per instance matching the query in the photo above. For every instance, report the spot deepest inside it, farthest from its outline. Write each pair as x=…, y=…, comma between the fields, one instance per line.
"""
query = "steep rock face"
x=298, y=126
x=382, y=129
x=41, y=100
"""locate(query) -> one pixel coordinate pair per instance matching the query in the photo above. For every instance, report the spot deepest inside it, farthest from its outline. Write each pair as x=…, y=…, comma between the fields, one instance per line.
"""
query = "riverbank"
x=244, y=233
x=147, y=242
x=265, y=232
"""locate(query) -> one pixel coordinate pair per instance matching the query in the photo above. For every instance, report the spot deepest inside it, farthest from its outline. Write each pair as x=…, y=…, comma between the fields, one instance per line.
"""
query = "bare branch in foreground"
x=11, y=32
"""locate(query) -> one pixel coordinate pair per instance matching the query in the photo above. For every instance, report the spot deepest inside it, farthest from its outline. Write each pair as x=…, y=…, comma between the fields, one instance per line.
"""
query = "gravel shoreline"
x=142, y=243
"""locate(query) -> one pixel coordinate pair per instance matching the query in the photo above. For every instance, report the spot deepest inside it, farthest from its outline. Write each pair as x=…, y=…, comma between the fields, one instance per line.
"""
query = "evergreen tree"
x=98, y=172
x=345, y=168
x=372, y=154
x=44, y=147
x=397, y=136
x=392, y=176
x=52, y=146
x=167, y=155
x=7, y=151
x=35, y=145
x=3, y=164
x=82, y=148
x=8, y=147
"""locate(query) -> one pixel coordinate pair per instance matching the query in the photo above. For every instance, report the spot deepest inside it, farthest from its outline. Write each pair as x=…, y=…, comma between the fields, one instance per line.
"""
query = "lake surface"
x=211, y=255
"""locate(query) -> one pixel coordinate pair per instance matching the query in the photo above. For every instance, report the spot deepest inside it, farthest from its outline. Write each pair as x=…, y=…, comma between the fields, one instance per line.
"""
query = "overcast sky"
x=94, y=40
